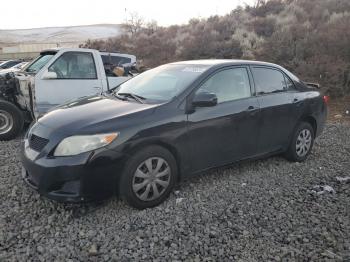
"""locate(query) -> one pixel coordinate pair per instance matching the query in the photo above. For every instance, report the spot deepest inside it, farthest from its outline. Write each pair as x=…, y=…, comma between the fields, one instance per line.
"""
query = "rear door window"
x=289, y=83
x=268, y=80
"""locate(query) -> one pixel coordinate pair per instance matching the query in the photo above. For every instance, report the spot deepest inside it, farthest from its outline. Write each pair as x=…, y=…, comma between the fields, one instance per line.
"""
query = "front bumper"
x=85, y=177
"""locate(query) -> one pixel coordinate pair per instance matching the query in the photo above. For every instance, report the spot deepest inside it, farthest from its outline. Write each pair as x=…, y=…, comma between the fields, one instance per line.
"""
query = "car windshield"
x=39, y=63
x=8, y=64
x=162, y=83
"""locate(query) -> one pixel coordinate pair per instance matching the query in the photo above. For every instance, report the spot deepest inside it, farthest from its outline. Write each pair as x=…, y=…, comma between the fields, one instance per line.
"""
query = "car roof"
x=228, y=62
x=55, y=50
x=13, y=60
x=215, y=62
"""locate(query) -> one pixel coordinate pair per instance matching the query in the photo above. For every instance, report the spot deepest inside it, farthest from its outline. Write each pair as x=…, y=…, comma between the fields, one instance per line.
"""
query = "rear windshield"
x=111, y=61
x=115, y=60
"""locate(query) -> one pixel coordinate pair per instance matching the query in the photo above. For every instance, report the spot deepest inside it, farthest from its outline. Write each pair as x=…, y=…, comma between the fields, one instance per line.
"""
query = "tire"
x=137, y=184
x=11, y=120
x=300, y=153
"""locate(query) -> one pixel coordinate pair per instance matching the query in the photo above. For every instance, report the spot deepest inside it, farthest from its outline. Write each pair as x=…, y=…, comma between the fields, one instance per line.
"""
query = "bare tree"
x=309, y=37
x=259, y=3
x=134, y=23
x=151, y=27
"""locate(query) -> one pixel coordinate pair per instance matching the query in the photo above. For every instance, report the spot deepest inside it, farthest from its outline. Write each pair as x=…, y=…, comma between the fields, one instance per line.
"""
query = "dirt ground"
x=337, y=110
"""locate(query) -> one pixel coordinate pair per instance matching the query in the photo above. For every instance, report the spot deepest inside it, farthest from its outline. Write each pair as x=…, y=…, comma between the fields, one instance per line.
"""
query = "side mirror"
x=205, y=99
x=49, y=75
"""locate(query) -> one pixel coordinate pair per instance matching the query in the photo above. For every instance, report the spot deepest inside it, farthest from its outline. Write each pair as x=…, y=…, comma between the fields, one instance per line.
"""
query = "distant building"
x=29, y=51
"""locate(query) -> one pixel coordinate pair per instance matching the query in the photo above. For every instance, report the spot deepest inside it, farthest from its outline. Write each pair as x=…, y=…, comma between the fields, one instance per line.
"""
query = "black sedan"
x=170, y=122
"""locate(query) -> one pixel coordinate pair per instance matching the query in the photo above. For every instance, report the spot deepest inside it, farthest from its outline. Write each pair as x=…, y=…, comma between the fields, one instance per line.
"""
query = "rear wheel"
x=148, y=177
x=11, y=120
x=302, y=143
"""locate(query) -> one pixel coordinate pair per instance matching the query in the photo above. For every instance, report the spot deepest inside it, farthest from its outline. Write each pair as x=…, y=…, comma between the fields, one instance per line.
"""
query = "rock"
x=179, y=200
x=93, y=250
x=343, y=179
x=252, y=211
x=319, y=190
x=40, y=249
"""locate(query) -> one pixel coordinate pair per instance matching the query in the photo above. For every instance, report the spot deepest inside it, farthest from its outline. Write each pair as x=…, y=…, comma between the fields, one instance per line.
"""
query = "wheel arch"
x=308, y=119
x=162, y=143
x=311, y=120
x=17, y=117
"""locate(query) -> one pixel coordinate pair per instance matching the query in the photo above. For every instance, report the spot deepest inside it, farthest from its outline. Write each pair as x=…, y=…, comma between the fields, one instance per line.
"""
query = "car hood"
x=93, y=114
x=9, y=70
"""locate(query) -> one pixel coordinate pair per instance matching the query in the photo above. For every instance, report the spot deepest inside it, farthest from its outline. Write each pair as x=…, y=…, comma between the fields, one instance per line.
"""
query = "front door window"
x=74, y=65
x=228, y=85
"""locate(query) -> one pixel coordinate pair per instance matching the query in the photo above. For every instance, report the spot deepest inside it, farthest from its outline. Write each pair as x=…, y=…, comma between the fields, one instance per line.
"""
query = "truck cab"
x=56, y=77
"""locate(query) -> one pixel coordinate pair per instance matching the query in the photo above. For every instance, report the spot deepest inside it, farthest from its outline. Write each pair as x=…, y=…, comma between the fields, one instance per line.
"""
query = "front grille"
x=37, y=143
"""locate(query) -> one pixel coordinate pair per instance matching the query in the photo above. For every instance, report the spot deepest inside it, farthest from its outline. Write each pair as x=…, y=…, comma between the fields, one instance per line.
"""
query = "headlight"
x=75, y=145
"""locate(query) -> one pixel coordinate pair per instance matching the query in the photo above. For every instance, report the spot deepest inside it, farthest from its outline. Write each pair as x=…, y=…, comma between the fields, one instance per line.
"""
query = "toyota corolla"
x=168, y=123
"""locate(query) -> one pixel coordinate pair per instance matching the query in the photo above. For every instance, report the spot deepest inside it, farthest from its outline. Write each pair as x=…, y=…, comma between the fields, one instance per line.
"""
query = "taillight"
x=326, y=99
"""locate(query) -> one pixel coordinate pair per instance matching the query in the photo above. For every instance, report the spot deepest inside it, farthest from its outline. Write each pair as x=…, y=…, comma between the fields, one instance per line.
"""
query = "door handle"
x=297, y=102
x=97, y=87
x=252, y=110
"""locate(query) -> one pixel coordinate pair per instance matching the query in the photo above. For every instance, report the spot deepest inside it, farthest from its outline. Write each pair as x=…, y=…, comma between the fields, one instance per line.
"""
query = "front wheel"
x=11, y=120
x=302, y=143
x=148, y=177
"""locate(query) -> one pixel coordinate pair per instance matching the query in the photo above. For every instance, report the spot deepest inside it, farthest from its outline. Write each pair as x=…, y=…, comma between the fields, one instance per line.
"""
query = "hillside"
x=309, y=37
x=60, y=34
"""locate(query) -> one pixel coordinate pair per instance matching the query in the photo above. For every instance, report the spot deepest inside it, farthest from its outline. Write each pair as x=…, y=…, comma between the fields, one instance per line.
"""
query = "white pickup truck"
x=55, y=77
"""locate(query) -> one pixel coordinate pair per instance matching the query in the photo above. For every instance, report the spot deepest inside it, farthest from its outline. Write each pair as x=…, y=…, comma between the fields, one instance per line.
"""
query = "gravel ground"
x=266, y=210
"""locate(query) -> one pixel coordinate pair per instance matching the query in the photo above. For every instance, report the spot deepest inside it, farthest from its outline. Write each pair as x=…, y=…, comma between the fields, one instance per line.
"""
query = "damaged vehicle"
x=14, y=68
x=52, y=79
x=9, y=64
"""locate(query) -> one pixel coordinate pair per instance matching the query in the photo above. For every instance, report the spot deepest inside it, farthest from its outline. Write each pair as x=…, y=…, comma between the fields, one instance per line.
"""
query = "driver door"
x=226, y=132
x=72, y=75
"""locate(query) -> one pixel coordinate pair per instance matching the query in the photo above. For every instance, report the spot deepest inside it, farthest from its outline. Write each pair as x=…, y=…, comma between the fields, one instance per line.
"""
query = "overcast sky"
x=22, y=14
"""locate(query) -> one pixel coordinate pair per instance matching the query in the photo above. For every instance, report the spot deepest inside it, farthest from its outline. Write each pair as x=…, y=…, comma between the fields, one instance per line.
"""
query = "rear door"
x=275, y=93
x=77, y=75
x=228, y=131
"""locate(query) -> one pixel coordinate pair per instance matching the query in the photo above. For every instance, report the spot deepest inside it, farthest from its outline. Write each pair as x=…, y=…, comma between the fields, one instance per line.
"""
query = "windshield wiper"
x=119, y=97
x=278, y=91
x=133, y=96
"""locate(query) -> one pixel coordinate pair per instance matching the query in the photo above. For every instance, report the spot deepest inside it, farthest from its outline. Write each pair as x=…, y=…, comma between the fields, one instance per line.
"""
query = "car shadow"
x=79, y=210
